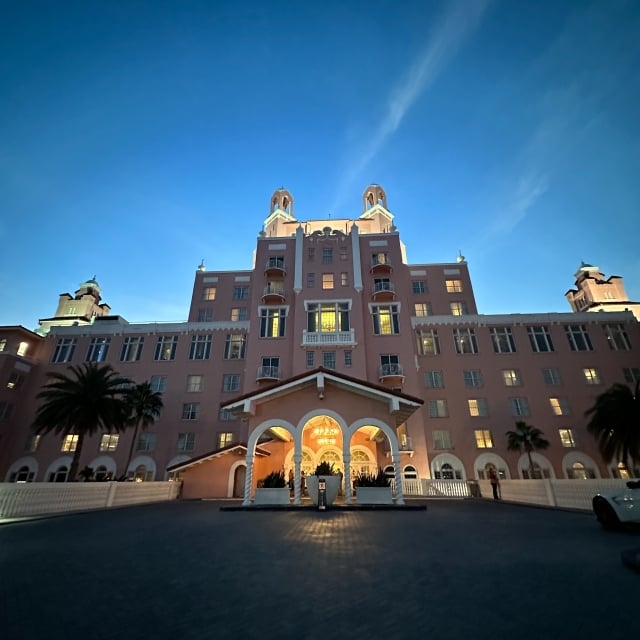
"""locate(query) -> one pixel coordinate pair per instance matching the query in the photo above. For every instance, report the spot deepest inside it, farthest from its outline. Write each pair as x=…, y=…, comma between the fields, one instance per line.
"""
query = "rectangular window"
x=348, y=358
x=578, y=337
x=32, y=443
x=194, y=383
x=551, y=377
x=310, y=359
x=275, y=262
x=502, y=340
x=241, y=293
x=15, y=381
x=6, y=410
x=559, y=406
x=329, y=359
x=344, y=279
x=98, y=349
x=458, y=308
x=390, y=365
x=327, y=255
x=225, y=439
x=272, y=322
x=190, y=410
x=434, y=379
x=478, y=407
x=69, y=443
x=200, y=348
x=617, y=337
x=64, y=350
x=109, y=442
x=209, y=293
x=186, y=441
x=519, y=407
x=567, y=438
x=441, y=439
x=311, y=254
x=465, y=341
x=166, y=348
x=205, y=315
x=343, y=254
x=418, y=287
x=23, y=347
x=511, y=377
x=224, y=415
x=238, y=314
x=484, y=439
x=328, y=317
x=631, y=375
x=131, y=349
x=422, y=309
x=472, y=378
x=438, y=408
x=146, y=441
x=230, y=382
x=311, y=280
x=3, y=344
x=453, y=286
x=540, y=339
x=234, y=346
x=428, y=342
x=158, y=383
x=385, y=319
x=379, y=258
x=591, y=375
x=327, y=280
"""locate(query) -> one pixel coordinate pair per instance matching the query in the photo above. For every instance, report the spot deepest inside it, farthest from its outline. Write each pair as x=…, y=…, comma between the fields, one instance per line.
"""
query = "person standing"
x=495, y=483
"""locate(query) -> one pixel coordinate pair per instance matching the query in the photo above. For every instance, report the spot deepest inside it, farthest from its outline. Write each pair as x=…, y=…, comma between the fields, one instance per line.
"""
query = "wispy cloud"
x=454, y=28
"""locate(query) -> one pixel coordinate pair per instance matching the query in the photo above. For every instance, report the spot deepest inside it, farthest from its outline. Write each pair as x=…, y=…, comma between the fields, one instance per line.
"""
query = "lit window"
x=240, y=293
x=453, y=286
x=32, y=443
x=472, y=378
x=205, y=315
x=567, y=438
x=234, y=346
x=379, y=258
x=477, y=407
x=385, y=319
x=200, y=348
x=69, y=443
x=238, y=314
x=64, y=350
x=551, y=377
x=465, y=341
x=327, y=280
x=328, y=317
x=132, y=349
x=166, y=348
x=109, y=442
x=230, y=382
x=186, y=441
x=146, y=442
x=458, y=308
x=422, y=309
x=23, y=347
x=194, y=383
x=434, y=379
x=559, y=406
x=441, y=439
x=329, y=359
x=272, y=322
x=578, y=337
x=511, y=377
x=344, y=279
x=437, y=408
x=3, y=344
x=484, y=439
x=540, y=339
x=225, y=439
x=158, y=383
x=591, y=375
x=190, y=410
x=15, y=381
x=502, y=340
x=617, y=337
x=428, y=342
x=98, y=349
x=418, y=287
x=209, y=293
x=519, y=407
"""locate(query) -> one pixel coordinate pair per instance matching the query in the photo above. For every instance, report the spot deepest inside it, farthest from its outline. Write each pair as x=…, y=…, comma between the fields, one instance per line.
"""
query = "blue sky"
x=137, y=138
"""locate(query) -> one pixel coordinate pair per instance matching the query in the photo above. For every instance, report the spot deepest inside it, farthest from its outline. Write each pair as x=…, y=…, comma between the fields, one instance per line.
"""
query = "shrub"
x=325, y=469
x=275, y=480
x=366, y=479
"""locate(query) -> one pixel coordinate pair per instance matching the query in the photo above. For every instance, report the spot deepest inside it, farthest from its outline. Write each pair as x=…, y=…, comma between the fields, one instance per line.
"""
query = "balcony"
x=273, y=294
x=321, y=339
x=391, y=372
x=383, y=291
x=405, y=444
x=275, y=267
x=268, y=373
x=380, y=266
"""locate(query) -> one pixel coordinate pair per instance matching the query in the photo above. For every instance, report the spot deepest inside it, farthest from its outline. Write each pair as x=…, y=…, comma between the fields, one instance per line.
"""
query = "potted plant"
x=373, y=488
x=272, y=489
x=332, y=479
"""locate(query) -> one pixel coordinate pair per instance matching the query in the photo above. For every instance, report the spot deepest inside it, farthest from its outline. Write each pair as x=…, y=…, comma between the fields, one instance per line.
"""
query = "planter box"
x=332, y=487
x=272, y=496
x=374, y=495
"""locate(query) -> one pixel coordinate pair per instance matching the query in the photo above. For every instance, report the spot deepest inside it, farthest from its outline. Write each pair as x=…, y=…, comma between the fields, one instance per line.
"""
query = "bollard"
x=322, y=494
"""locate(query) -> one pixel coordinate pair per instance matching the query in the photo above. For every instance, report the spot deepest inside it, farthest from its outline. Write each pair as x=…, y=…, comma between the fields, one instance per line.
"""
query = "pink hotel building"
x=333, y=347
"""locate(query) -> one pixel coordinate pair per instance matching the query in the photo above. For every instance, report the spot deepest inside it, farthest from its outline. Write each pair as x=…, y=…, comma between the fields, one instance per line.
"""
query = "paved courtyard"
x=462, y=569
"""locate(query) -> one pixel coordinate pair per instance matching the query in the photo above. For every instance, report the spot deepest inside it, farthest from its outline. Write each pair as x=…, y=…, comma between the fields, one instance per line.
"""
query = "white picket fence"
x=19, y=500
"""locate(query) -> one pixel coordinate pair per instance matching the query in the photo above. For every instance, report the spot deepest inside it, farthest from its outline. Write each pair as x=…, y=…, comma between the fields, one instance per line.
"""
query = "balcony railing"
x=383, y=290
x=379, y=265
x=272, y=291
x=392, y=370
x=268, y=373
x=310, y=338
x=275, y=264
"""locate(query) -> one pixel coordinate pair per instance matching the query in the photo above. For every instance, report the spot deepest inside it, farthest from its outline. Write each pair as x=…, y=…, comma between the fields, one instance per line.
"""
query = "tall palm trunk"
x=75, y=462
x=531, y=472
x=131, y=449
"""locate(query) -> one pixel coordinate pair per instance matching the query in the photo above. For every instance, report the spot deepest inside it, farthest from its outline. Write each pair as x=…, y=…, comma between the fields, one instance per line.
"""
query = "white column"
x=297, y=459
x=395, y=455
x=297, y=274
x=348, y=497
x=248, y=479
x=355, y=249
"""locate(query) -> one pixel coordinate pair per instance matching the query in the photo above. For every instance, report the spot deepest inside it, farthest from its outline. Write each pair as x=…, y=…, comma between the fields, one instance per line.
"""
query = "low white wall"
x=570, y=494
x=19, y=500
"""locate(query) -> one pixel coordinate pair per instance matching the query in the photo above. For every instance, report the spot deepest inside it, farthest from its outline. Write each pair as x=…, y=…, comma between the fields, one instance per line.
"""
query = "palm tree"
x=526, y=438
x=615, y=423
x=90, y=398
x=145, y=407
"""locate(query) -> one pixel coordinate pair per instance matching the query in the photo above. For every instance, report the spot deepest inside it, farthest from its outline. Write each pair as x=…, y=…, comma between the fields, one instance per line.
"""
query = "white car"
x=618, y=506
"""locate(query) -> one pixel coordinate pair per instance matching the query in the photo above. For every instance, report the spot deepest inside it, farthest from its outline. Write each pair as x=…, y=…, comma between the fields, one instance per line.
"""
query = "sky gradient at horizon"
x=138, y=138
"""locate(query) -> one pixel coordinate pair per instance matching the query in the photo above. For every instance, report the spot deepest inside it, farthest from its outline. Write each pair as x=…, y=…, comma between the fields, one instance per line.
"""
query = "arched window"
x=538, y=472
x=410, y=473
x=307, y=463
x=59, y=475
x=447, y=471
x=142, y=474
x=102, y=475
x=361, y=462
x=23, y=474
x=332, y=457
